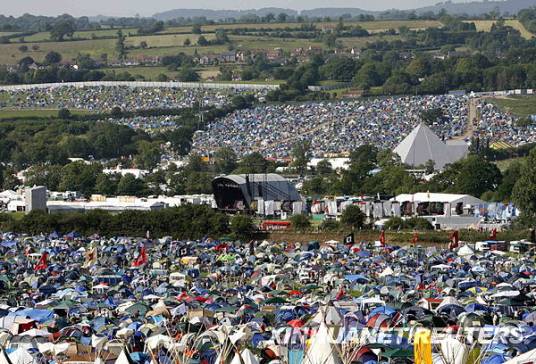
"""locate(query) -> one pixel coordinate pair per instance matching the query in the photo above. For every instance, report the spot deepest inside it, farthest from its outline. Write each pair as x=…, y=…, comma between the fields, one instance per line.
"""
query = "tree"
x=367, y=76
x=52, y=57
x=188, y=74
x=116, y=112
x=23, y=48
x=196, y=29
x=254, y=163
x=64, y=114
x=44, y=175
x=509, y=178
x=62, y=29
x=242, y=226
x=143, y=44
x=339, y=69
x=149, y=154
x=524, y=192
x=9, y=179
x=301, y=155
x=353, y=217
x=221, y=37
x=475, y=176
x=106, y=184
x=162, y=77
x=324, y=167
x=202, y=41
x=225, y=160
x=129, y=185
x=120, y=47
x=282, y=18
x=80, y=177
x=300, y=222
x=187, y=42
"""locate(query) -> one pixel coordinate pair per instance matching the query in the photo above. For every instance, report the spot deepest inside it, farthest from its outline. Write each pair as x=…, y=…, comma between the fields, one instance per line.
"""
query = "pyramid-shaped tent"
x=422, y=145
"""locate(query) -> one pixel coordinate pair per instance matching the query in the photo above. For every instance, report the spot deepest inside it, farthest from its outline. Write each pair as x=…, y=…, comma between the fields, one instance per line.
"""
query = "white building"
x=138, y=173
x=443, y=210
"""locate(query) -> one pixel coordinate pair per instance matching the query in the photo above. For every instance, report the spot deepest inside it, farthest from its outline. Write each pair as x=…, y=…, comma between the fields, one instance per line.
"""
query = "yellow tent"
x=423, y=346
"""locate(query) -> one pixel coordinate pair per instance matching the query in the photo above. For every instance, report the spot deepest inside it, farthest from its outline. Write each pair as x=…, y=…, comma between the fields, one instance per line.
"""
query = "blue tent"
x=35, y=314
x=356, y=278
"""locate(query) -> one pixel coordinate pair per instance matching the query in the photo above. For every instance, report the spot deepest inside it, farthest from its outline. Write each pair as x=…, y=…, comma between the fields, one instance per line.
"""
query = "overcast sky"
x=149, y=7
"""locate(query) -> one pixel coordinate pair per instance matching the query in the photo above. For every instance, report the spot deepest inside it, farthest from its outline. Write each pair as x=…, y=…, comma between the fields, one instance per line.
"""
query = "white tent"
x=422, y=145
x=21, y=356
x=4, y=359
x=527, y=357
x=247, y=358
x=453, y=351
x=321, y=350
x=123, y=358
x=465, y=251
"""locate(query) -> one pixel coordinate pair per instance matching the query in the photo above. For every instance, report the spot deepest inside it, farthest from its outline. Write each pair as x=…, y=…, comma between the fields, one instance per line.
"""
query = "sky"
x=147, y=8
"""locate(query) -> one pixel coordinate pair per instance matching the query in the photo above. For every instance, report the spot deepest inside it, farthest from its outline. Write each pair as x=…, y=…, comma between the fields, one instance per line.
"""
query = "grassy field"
x=148, y=73
x=372, y=26
x=522, y=106
x=165, y=40
x=485, y=26
x=253, y=42
x=37, y=113
x=167, y=43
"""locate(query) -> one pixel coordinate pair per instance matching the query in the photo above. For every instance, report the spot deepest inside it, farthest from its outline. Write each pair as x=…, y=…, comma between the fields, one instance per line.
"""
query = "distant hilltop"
x=474, y=8
x=220, y=14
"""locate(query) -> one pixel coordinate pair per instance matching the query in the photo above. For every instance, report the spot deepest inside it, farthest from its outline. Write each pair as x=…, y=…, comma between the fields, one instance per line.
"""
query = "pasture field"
x=371, y=26
x=521, y=106
x=165, y=40
x=149, y=73
x=485, y=26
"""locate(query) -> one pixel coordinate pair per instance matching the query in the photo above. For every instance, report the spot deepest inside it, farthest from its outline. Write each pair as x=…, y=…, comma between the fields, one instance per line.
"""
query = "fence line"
x=134, y=84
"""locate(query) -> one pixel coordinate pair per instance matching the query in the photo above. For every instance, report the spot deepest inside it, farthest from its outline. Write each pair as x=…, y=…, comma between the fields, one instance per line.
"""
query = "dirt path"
x=472, y=120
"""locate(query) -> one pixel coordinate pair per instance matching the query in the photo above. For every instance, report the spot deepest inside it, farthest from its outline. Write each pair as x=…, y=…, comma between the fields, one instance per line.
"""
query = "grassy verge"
x=426, y=238
x=521, y=106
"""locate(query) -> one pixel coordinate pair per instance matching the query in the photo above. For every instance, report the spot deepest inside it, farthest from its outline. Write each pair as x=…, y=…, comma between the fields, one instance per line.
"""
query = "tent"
x=321, y=351
x=422, y=145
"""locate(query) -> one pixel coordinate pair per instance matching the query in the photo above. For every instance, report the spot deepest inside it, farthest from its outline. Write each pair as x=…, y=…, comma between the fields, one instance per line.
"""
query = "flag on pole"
x=382, y=238
x=454, y=240
x=42, y=264
x=142, y=258
x=340, y=294
x=349, y=239
x=91, y=257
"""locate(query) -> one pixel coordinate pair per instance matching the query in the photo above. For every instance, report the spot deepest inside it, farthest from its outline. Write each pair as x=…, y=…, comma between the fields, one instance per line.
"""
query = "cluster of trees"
x=374, y=172
x=219, y=39
x=25, y=143
x=88, y=179
x=497, y=60
x=186, y=222
x=527, y=17
x=52, y=70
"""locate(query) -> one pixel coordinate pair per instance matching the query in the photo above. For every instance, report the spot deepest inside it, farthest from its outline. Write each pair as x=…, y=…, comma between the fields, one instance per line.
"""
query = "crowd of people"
x=104, y=98
x=498, y=125
x=141, y=300
x=331, y=127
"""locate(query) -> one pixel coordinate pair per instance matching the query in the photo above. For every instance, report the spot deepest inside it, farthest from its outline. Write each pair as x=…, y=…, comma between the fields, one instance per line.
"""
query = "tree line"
x=185, y=222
